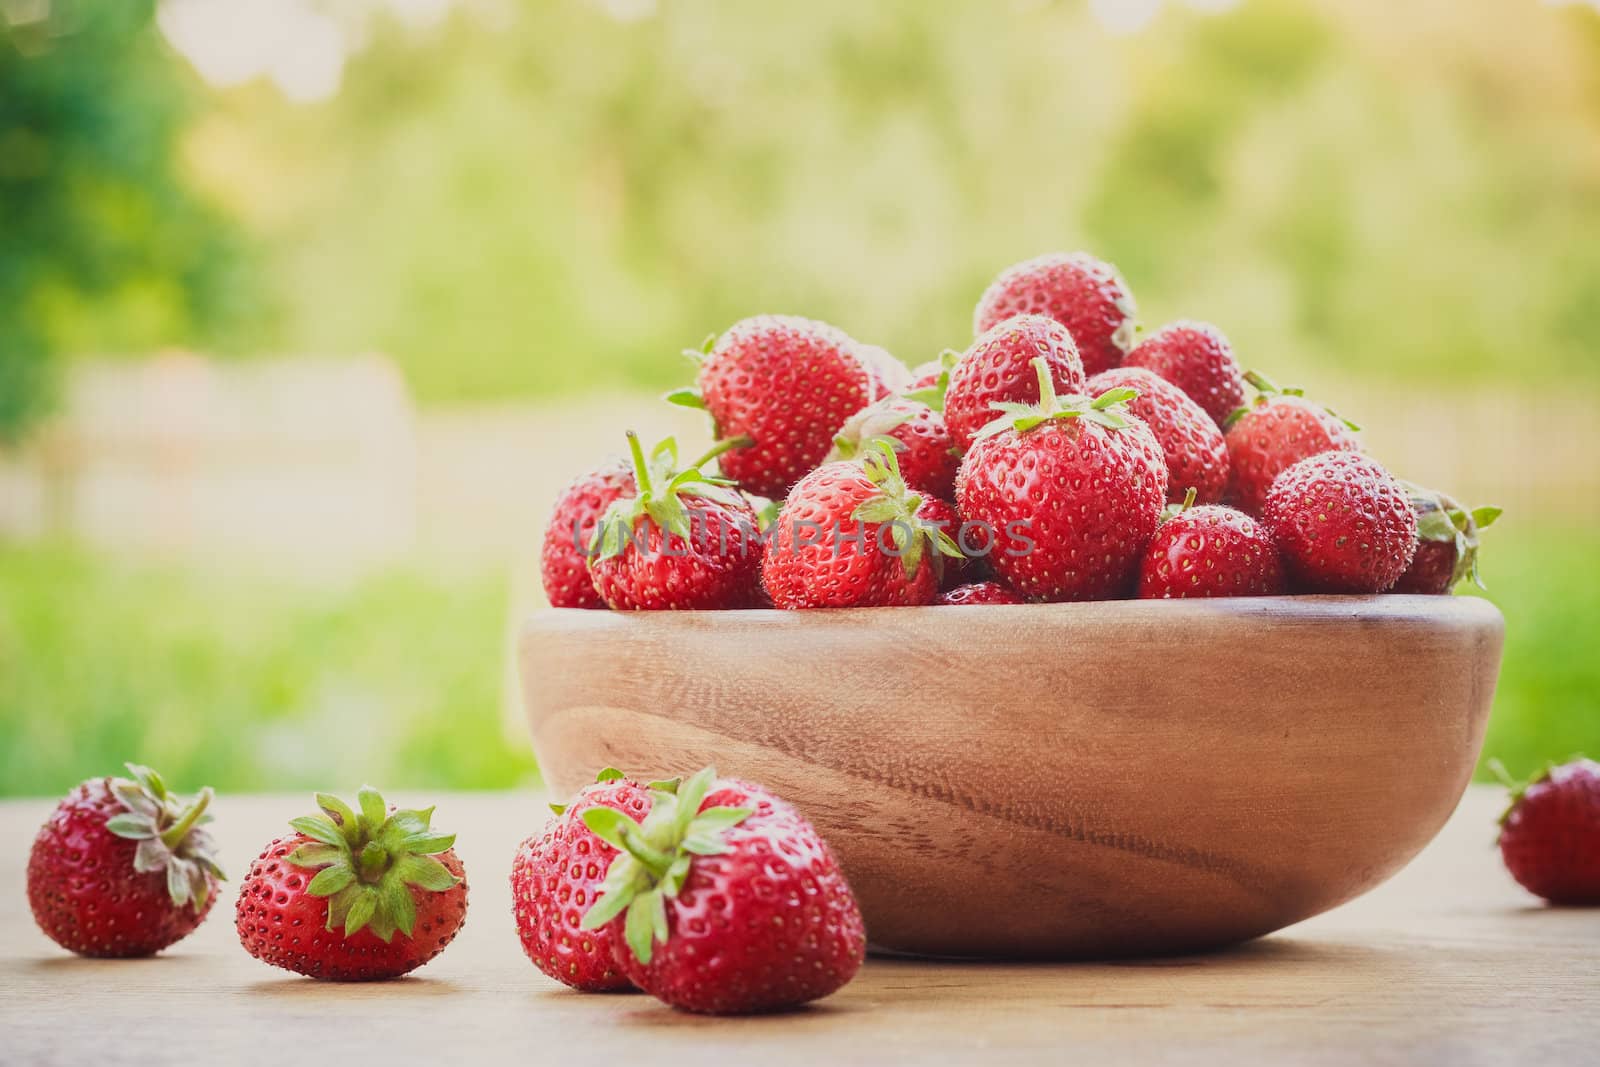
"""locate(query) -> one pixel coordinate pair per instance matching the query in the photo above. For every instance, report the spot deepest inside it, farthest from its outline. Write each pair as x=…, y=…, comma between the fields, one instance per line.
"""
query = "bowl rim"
x=1333, y=608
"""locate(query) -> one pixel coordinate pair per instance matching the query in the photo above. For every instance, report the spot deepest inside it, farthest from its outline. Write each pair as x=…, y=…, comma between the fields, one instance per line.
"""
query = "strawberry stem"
x=654, y=860
x=641, y=469
x=1047, y=386
x=173, y=836
x=727, y=444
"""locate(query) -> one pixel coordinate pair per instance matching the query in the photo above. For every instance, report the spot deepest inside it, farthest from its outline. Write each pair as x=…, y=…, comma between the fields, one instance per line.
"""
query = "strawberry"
x=1343, y=523
x=1447, y=543
x=724, y=900
x=1550, y=834
x=354, y=896
x=564, y=559
x=1276, y=430
x=980, y=593
x=1072, y=489
x=852, y=534
x=1198, y=359
x=684, y=541
x=1197, y=457
x=786, y=384
x=889, y=375
x=554, y=878
x=1210, y=551
x=123, y=867
x=928, y=459
x=1082, y=293
x=997, y=368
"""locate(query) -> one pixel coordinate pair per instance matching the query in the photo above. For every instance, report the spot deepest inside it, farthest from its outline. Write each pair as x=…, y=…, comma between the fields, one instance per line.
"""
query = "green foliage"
x=559, y=200
x=1547, y=585
x=102, y=246
x=247, y=683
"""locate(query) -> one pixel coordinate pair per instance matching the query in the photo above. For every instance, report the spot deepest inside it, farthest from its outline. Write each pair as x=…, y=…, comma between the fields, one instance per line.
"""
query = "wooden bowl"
x=1052, y=780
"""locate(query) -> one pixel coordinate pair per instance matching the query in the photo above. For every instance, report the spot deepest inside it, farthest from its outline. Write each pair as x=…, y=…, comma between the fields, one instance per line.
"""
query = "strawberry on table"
x=724, y=900
x=787, y=384
x=1084, y=294
x=979, y=593
x=1343, y=523
x=1072, y=488
x=1198, y=359
x=564, y=559
x=123, y=867
x=928, y=459
x=998, y=368
x=1550, y=834
x=1276, y=430
x=354, y=895
x=1197, y=457
x=1210, y=551
x=852, y=534
x=1447, y=543
x=683, y=541
x=555, y=876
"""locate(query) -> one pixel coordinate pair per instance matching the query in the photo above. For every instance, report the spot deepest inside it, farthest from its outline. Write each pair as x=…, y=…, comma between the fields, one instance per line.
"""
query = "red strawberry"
x=851, y=535
x=1197, y=457
x=980, y=593
x=725, y=901
x=123, y=867
x=928, y=459
x=352, y=896
x=1277, y=430
x=1343, y=523
x=787, y=384
x=554, y=878
x=564, y=561
x=1198, y=359
x=1071, y=488
x=684, y=542
x=1550, y=835
x=998, y=368
x=1082, y=293
x=1447, y=543
x=1210, y=551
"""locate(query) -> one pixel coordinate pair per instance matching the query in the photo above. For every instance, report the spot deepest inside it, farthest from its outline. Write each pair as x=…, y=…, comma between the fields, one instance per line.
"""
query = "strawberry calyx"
x=897, y=507
x=1108, y=409
x=933, y=395
x=368, y=858
x=661, y=488
x=171, y=835
x=1441, y=518
x=654, y=857
x=1265, y=389
x=875, y=420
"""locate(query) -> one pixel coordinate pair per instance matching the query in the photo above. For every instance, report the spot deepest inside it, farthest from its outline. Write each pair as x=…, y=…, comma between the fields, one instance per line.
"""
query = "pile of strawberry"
x=1059, y=457
x=711, y=893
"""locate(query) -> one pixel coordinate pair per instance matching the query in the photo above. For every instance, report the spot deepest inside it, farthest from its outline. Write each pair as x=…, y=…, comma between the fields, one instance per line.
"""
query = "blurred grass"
x=249, y=683
x=253, y=684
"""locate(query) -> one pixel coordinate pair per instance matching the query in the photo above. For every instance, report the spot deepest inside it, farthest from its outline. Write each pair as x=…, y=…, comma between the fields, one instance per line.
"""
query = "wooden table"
x=1449, y=963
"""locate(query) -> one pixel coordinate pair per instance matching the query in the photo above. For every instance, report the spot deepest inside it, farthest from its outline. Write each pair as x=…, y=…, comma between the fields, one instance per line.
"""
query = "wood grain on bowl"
x=1053, y=780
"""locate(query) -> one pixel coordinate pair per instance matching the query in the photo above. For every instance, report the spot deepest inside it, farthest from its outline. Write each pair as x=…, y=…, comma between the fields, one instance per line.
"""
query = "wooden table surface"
x=1449, y=963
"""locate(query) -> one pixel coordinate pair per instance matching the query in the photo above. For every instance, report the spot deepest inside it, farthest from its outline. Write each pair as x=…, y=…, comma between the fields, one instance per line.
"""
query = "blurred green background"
x=529, y=208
